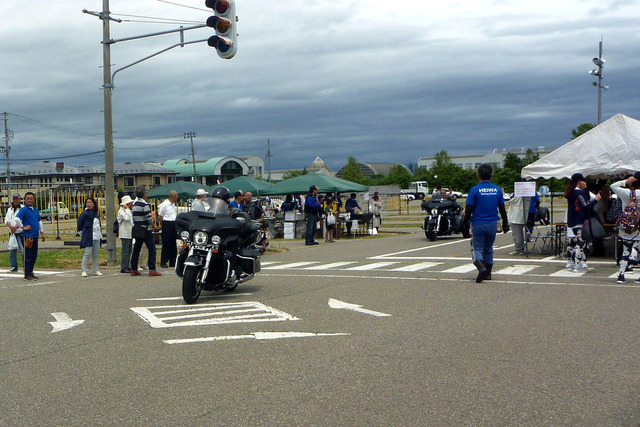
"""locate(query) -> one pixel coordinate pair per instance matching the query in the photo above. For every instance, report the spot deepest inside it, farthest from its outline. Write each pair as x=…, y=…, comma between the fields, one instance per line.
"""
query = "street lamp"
x=599, y=62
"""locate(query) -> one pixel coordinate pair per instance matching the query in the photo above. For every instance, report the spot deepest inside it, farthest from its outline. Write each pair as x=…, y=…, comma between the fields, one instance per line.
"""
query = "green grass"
x=62, y=259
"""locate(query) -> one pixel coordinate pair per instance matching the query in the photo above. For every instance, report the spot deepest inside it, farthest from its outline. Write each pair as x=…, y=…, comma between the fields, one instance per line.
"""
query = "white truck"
x=60, y=211
x=417, y=190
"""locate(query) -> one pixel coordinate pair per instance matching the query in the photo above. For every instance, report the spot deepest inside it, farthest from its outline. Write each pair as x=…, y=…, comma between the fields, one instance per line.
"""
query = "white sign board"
x=524, y=189
x=366, y=196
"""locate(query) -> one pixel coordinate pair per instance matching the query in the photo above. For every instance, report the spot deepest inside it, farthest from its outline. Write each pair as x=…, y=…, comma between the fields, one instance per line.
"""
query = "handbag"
x=139, y=231
x=592, y=230
x=331, y=219
x=13, y=243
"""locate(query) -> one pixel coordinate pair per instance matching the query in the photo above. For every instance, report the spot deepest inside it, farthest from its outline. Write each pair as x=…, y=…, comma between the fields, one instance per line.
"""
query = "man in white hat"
x=125, y=224
x=199, y=203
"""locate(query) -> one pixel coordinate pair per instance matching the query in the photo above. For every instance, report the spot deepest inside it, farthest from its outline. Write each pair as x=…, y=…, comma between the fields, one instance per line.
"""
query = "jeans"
x=150, y=243
x=13, y=253
x=91, y=252
x=125, y=254
x=312, y=221
x=169, y=251
x=484, y=235
x=30, y=256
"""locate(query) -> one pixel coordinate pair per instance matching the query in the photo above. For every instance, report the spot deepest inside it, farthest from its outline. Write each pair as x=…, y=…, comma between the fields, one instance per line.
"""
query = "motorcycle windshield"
x=217, y=206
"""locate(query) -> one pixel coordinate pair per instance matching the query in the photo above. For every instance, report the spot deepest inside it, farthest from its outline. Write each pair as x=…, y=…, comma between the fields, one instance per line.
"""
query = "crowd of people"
x=485, y=206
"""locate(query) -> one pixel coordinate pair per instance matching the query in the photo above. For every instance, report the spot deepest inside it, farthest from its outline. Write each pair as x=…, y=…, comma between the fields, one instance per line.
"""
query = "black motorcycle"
x=219, y=249
x=444, y=217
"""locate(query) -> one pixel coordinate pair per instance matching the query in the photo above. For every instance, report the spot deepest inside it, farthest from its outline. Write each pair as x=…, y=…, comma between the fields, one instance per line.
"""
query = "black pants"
x=169, y=250
x=30, y=256
x=151, y=247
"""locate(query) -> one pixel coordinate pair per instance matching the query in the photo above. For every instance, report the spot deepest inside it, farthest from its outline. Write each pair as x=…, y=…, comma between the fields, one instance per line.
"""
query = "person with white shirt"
x=89, y=224
x=125, y=224
x=167, y=213
x=15, y=229
x=199, y=204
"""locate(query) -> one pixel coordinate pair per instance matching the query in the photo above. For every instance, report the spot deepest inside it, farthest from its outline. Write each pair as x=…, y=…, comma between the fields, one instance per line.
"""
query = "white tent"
x=610, y=149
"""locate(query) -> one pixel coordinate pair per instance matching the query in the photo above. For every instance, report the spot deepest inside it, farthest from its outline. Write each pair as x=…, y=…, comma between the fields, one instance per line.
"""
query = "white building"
x=495, y=158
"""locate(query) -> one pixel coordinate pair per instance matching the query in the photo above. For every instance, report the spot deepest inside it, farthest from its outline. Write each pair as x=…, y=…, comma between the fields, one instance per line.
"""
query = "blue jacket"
x=85, y=224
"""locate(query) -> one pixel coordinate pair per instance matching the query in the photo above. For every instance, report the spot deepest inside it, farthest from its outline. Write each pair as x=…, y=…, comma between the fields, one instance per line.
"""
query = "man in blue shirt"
x=483, y=202
x=312, y=208
x=238, y=198
x=31, y=230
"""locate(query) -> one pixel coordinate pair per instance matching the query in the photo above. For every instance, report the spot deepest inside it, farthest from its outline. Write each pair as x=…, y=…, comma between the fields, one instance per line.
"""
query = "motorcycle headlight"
x=200, y=237
x=434, y=211
x=184, y=236
x=215, y=240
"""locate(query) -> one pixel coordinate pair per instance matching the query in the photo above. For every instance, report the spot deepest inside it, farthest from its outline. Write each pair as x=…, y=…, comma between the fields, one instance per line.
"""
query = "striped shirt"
x=142, y=213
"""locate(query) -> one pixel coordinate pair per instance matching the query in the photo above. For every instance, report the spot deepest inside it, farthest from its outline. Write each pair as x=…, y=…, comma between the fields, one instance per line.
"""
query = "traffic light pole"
x=109, y=173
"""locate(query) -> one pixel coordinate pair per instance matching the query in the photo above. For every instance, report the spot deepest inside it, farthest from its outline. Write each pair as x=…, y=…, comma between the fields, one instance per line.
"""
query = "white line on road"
x=417, y=267
x=329, y=266
x=201, y=297
x=458, y=280
x=371, y=266
x=419, y=249
x=516, y=270
x=291, y=265
x=460, y=269
x=255, y=335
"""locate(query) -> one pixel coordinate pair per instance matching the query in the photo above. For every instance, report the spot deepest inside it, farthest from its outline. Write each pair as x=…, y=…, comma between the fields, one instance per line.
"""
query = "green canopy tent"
x=185, y=189
x=244, y=184
x=325, y=184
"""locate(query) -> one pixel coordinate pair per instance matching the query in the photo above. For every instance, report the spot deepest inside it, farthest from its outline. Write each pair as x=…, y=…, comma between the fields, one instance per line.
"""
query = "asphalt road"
x=427, y=346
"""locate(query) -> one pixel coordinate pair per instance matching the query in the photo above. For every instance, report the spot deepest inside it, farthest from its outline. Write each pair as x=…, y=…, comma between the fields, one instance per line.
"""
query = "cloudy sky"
x=381, y=81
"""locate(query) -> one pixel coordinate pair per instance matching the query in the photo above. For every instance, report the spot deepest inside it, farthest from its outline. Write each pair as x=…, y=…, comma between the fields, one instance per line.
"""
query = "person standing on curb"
x=125, y=224
x=89, y=225
x=15, y=228
x=578, y=205
x=142, y=232
x=483, y=203
x=630, y=240
x=31, y=229
x=167, y=213
x=312, y=208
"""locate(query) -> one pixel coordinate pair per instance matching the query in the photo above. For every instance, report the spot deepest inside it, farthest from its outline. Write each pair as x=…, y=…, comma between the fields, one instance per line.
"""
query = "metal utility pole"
x=108, y=134
x=269, y=159
x=192, y=135
x=599, y=62
x=6, y=153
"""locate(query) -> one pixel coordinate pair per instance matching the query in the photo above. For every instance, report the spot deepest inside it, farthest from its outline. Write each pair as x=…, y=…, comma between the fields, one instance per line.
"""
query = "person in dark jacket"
x=350, y=207
x=578, y=206
x=89, y=225
x=312, y=209
x=288, y=204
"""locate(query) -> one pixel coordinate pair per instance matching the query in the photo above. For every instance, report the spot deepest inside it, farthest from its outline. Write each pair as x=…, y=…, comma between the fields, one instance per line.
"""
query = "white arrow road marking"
x=63, y=321
x=254, y=335
x=334, y=303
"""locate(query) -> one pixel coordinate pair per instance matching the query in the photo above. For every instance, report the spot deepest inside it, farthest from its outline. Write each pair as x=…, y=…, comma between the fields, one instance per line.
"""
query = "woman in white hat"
x=125, y=224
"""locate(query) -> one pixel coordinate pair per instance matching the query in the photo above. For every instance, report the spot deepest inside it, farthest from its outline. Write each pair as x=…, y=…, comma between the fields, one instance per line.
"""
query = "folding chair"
x=543, y=239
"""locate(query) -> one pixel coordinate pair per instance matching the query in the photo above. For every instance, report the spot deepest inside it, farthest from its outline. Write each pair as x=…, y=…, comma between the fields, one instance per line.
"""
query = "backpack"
x=630, y=217
x=116, y=227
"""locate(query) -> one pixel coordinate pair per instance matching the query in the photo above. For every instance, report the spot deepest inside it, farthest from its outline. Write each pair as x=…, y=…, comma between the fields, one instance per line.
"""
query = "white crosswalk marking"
x=371, y=266
x=516, y=270
x=264, y=263
x=567, y=273
x=461, y=269
x=629, y=275
x=291, y=265
x=329, y=266
x=417, y=267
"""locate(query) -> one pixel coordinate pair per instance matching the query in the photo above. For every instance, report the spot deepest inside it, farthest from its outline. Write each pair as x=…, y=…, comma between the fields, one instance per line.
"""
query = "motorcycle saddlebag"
x=250, y=259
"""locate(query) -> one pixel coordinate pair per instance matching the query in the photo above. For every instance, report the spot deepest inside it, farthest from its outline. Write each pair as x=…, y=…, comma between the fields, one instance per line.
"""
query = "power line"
x=62, y=157
x=184, y=5
x=161, y=20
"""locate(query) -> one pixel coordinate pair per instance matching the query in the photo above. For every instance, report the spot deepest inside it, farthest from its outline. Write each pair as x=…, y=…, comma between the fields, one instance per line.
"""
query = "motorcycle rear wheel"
x=190, y=287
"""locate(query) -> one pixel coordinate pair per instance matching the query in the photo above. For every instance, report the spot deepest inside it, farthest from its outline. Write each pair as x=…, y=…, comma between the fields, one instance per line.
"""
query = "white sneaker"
x=84, y=274
x=569, y=265
x=97, y=273
x=580, y=268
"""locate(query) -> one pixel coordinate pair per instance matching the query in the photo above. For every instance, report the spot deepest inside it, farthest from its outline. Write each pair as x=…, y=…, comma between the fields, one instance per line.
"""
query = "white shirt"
x=12, y=219
x=168, y=211
x=97, y=232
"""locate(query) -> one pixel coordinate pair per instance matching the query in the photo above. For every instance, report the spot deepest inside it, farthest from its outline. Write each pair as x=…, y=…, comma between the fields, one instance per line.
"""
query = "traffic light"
x=224, y=22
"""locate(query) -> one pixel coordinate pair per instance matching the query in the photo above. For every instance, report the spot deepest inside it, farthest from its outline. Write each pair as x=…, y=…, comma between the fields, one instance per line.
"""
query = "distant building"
x=495, y=158
x=210, y=172
x=255, y=165
x=370, y=169
x=317, y=166
x=57, y=175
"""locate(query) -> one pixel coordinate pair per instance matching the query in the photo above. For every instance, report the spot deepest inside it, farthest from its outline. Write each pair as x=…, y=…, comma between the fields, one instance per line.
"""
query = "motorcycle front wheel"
x=190, y=287
x=430, y=232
